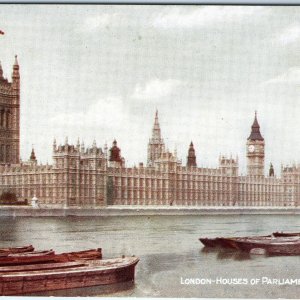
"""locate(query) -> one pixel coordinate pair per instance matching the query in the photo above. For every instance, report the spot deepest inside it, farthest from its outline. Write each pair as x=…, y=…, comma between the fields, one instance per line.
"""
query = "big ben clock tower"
x=255, y=151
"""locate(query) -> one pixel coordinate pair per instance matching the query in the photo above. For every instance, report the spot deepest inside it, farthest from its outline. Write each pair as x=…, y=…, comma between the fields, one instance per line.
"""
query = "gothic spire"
x=255, y=134
x=156, y=135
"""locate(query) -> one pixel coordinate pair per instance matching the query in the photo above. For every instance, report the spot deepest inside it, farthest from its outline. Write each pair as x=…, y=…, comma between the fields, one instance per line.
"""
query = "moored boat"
x=49, y=256
x=227, y=242
x=60, y=276
x=272, y=245
x=11, y=250
x=27, y=258
x=79, y=255
x=285, y=234
x=211, y=242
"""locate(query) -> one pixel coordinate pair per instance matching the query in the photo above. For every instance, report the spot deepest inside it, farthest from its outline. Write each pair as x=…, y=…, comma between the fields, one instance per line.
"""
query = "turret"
x=54, y=145
x=32, y=158
x=271, y=171
x=115, y=158
x=191, y=158
x=16, y=74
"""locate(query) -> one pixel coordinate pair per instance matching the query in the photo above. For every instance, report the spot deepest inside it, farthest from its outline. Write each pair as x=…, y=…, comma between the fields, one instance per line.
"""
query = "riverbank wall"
x=27, y=211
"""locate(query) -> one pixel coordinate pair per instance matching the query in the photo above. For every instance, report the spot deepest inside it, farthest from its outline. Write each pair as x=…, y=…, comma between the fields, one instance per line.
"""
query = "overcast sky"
x=100, y=72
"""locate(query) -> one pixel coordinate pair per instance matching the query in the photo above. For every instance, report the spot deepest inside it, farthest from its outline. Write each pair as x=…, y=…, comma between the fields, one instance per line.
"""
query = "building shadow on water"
x=124, y=289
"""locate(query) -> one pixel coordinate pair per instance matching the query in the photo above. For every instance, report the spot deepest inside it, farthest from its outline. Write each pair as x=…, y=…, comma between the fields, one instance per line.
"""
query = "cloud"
x=107, y=112
x=290, y=35
x=203, y=16
x=291, y=76
x=100, y=21
x=156, y=89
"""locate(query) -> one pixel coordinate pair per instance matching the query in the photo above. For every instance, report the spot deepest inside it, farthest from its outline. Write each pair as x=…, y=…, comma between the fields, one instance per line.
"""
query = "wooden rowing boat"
x=11, y=250
x=79, y=255
x=39, y=278
x=285, y=234
x=27, y=258
x=272, y=245
x=214, y=242
x=49, y=256
x=224, y=242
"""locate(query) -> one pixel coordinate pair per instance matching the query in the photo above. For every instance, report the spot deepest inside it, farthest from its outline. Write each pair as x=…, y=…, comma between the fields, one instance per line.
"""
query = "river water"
x=170, y=253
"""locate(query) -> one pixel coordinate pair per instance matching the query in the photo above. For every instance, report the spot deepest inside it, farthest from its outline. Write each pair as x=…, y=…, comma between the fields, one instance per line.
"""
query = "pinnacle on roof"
x=16, y=66
x=32, y=155
x=156, y=119
x=255, y=134
x=94, y=144
x=16, y=60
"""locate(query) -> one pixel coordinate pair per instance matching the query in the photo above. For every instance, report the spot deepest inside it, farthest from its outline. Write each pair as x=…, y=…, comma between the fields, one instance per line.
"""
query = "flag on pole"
x=1, y=32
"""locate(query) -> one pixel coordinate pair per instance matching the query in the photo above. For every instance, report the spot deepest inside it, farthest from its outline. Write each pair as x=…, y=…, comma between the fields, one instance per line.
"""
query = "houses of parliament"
x=96, y=177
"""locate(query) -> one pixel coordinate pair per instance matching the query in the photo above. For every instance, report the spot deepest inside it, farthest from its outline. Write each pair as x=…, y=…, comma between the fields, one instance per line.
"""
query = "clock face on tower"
x=251, y=148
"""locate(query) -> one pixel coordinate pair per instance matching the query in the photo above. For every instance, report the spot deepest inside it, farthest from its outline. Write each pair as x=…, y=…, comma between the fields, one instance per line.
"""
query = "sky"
x=101, y=71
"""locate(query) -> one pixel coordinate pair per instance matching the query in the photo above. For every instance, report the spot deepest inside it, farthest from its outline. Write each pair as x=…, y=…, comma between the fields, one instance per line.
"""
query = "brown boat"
x=272, y=245
x=224, y=242
x=11, y=250
x=79, y=255
x=214, y=242
x=285, y=234
x=20, y=280
x=27, y=258
x=49, y=256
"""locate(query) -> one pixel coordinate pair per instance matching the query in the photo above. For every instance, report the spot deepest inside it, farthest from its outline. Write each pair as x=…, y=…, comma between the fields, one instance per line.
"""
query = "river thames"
x=173, y=263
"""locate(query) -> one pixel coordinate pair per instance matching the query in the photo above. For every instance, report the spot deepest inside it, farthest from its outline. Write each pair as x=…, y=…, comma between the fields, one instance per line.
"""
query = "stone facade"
x=92, y=177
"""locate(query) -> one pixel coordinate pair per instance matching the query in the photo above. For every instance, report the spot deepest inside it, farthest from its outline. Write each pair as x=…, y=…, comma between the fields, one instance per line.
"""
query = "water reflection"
x=225, y=253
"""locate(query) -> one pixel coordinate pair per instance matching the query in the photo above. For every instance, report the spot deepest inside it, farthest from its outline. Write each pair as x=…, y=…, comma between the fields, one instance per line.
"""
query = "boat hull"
x=35, y=257
x=13, y=250
x=285, y=234
x=224, y=242
x=92, y=274
x=27, y=258
x=277, y=246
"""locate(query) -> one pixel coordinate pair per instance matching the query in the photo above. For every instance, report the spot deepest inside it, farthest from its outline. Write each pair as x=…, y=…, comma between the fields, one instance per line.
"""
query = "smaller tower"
x=54, y=145
x=271, y=171
x=191, y=158
x=115, y=155
x=32, y=158
x=78, y=145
